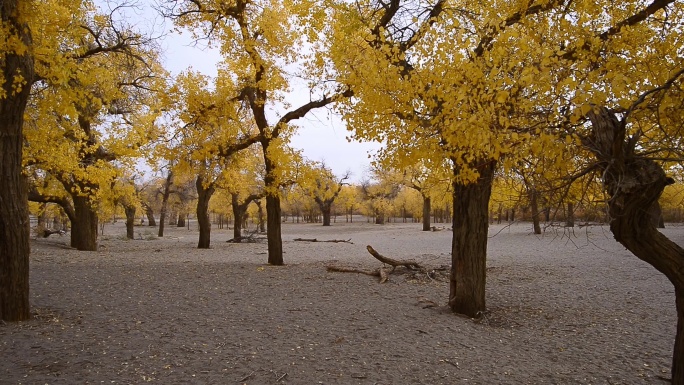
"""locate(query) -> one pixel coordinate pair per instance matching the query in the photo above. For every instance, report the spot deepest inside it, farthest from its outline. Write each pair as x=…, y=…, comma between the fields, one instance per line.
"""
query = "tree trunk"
x=151, y=222
x=634, y=185
x=204, y=194
x=180, y=222
x=325, y=210
x=84, y=226
x=275, y=242
x=570, y=216
x=656, y=214
x=379, y=217
x=165, y=201
x=15, y=228
x=427, y=203
x=130, y=221
x=261, y=216
x=469, y=243
x=534, y=206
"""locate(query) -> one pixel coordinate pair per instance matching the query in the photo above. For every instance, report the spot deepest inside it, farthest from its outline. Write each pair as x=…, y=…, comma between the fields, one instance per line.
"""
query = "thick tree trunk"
x=379, y=217
x=180, y=222
x=275, y=242
x=130, y=221
x=534, y=205
x=634, y=185
x=656, y=214
x=15, y=229
x=84, y=226
x=427, y=203
x=325, y=210
x=149, y=213
x=204, y=194
x=469, y=243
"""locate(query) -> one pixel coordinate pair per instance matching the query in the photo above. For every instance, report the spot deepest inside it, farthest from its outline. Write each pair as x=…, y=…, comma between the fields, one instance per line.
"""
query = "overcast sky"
x=320, y=137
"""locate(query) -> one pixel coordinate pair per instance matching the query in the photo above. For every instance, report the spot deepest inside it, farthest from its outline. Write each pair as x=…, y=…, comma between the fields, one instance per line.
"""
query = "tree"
x=259, y=40
x=424, y=178
x=35, y=62
x=474, y=83
x=324, y=187
x=213, y=130
x=381, y=192
x=87, y=129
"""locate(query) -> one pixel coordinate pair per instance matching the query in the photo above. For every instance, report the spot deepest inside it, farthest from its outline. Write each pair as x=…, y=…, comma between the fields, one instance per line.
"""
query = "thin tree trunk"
x=165, y=202
x=204, y=194
x=535, y=210
x=84, y=226
x=570, y=216
x=130, y=221
x=634, y=185
x=261, y=217
x=427, y=203
x=469, y=243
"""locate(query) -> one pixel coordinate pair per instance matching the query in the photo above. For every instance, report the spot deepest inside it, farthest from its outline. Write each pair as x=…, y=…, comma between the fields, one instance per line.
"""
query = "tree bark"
x=261, y=216
x=534, y=205
x=275, y=242
x=634, y=185
x=204, y=194
x=130, y=221
x=84, y=226
x=165, y=202
x=15, y=228
x=180, y=222
x=570, y=216
x=149, y=213
x=469, y=242
x=379, y=217
x=427, y=203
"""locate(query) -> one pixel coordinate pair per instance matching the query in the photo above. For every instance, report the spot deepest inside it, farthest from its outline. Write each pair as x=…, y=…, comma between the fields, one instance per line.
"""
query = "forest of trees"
x=553, y=111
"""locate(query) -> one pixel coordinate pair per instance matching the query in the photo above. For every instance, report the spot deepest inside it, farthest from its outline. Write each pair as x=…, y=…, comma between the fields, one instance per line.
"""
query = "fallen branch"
x=330, y=240
x=373, y=273
x=393, y=262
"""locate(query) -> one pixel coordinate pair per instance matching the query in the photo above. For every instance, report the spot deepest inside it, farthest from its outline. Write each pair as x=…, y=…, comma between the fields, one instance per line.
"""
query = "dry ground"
x=568, y=307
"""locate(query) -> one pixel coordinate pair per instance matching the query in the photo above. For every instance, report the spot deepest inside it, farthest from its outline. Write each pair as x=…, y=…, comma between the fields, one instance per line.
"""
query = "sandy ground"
x=568, y=307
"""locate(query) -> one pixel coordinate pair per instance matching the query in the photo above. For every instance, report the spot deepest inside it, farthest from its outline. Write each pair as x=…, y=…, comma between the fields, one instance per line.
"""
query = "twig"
x=247, y=376
x=281, y=377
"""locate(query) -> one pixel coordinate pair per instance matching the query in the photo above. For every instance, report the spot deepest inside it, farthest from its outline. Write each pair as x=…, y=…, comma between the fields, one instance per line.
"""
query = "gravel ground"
x=567, y=307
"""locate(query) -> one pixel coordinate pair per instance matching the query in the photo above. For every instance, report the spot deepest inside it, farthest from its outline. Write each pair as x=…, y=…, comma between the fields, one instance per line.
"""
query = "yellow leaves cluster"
x=499, y=86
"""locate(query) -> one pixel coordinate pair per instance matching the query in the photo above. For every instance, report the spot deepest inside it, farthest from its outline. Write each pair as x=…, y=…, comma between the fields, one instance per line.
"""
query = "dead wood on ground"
x=413, y=269
x=330, y=240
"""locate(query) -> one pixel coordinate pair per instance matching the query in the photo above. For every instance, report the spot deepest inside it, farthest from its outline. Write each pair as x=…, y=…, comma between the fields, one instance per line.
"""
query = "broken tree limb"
x=383, y=272
x=330, y=240
x=392, y=262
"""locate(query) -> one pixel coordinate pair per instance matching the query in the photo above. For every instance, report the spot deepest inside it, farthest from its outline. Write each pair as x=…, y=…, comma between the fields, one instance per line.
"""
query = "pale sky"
x=320, y=138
